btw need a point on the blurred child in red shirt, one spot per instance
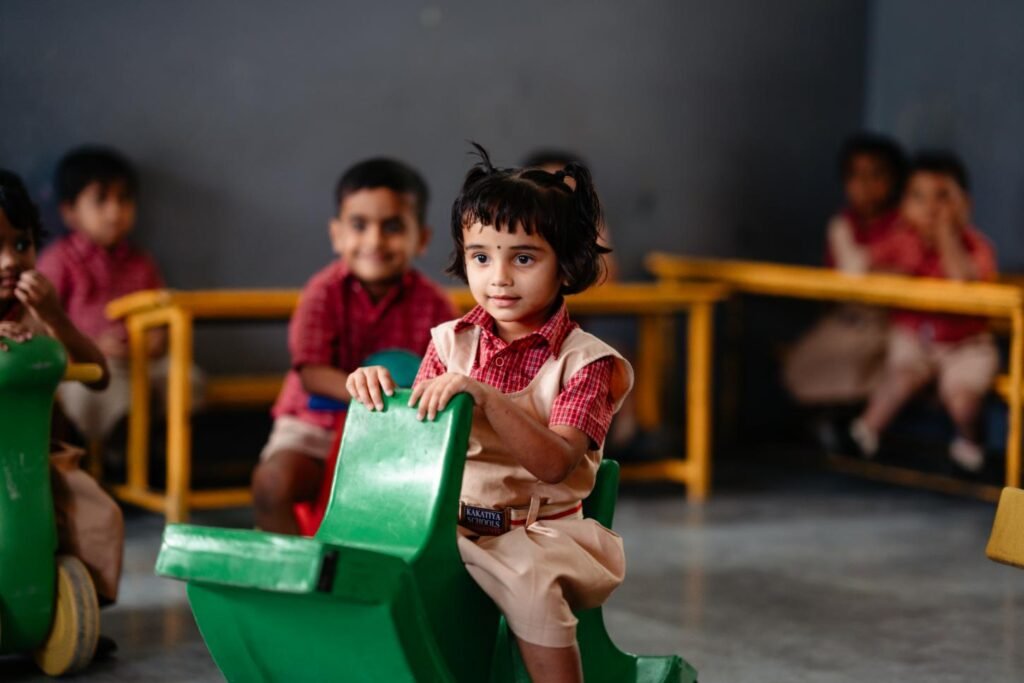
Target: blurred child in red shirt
(935, 238)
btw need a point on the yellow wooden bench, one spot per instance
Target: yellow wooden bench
(1003, 301)
(1006, 543)
(653, 304)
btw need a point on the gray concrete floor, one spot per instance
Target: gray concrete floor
(804, 577)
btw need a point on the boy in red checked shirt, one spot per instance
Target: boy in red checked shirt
(935, 239)
(93, 265)
(370, 299)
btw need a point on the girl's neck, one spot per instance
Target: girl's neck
(510, 330)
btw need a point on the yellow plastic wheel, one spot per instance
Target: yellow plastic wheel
(76, 621)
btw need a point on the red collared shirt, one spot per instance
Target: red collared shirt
(585, 401)
(337, 323)
(905, 251)
(87, 277)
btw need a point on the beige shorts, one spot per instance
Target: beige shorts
(96, 413)
(292, 434)
(539, 574)
(840, 360)
(969, 365)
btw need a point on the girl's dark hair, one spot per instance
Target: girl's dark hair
(17, 206)
(538, 202)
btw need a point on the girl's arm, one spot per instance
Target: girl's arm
(40, 297)
(849, 256)
(548, 453)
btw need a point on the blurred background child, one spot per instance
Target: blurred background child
(370, 299)
(935, 239)
(839, 361)
(97, 188)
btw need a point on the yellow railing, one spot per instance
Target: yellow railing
(1002, 302)
(653, 305)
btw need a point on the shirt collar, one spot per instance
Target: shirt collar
(351, 282)
(553, 332)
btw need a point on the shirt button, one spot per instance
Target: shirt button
(499, 361)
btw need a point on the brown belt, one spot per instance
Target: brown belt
(496, 521)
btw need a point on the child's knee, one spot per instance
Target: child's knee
(270, 485)
(285, 478)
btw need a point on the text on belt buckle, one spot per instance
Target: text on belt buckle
(484, 521)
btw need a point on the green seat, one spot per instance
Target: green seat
(29, 374)
(380, 593)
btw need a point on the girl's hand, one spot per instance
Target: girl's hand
(16, 332)
(434, 394)
(365, 385)
(39, 295)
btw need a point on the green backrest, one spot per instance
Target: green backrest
(403, 365)
(600, 504)
(29, 374)
(397, 482)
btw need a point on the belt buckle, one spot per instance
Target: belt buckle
(484, 521)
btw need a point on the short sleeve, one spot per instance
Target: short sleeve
(54, 269)
(586, 401)
(313, 331)
(431, 366)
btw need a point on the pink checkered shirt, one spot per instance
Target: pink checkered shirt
(337, 324)
(87, 277)
(585, 402)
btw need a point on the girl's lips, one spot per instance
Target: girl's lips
(504, 301)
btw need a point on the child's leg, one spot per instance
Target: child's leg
(281, 481)
(552, 664)
(967, 371)
(907, 369)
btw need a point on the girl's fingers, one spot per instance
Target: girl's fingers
(385, 381)
(425, 400)
(373, 384)
(417, 391)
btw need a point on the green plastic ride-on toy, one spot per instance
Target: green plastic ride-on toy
(380, 593)
(48, 604)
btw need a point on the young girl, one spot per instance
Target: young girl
(89, 523)
(545, 392)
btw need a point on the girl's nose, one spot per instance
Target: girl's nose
(501, 275)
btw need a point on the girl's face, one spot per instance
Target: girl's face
(513, 276)
(868, 185)
(17, 254)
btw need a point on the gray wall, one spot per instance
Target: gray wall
(951, 74)
(711, 127)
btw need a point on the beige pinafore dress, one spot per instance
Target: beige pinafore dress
(542, 570)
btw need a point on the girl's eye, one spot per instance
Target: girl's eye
(394, 227)
(479, 258)
(523, 259)
(21, 246)
(358, 225)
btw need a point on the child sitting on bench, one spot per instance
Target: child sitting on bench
(935, 238)
(545, 394)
